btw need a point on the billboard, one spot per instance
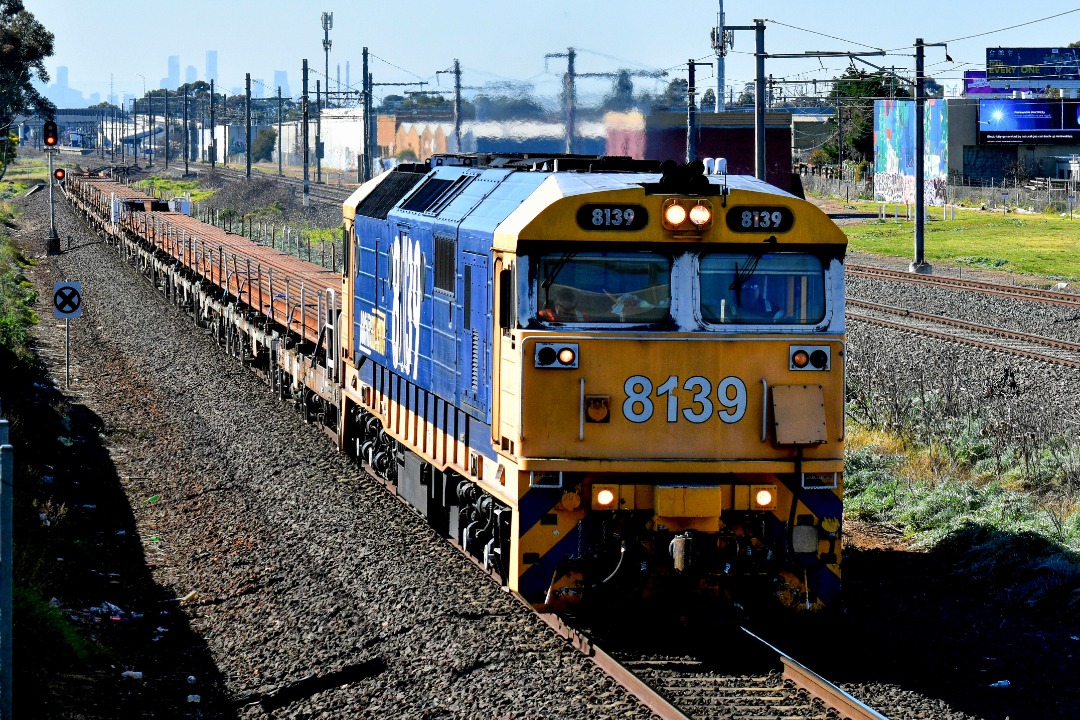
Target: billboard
(976, 83)
(1036, 65)
(1029, 122)
(894, 151)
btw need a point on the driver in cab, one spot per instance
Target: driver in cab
(563, 307)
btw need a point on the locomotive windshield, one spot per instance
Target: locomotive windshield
(604, 287)
(770, 289)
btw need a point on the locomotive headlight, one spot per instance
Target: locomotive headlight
(701, 214)
(604, 497)
(567, 355)
(674, 214)
(763, 497)
(800, 358)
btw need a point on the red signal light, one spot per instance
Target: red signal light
(59, 173)
(50, 133)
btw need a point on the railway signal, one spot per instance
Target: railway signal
(51, 136)
(50, 133)
(59, 174)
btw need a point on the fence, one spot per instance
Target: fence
(1039, 195)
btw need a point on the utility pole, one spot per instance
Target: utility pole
(456, 72)
(759, 102)
(691, 111)
(187, 133)
(840, 134)
(569, 87)
(327, 23)
(722, 41)
(213, 130)
(279, 130)
(568, 93)
(919, 265)
(150, 125)
(166, 128)
(304, 108)
(247, 121)
(366, 125)
(318, 133)
(225, 125)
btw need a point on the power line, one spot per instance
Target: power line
(1013, 27)
(815, 32)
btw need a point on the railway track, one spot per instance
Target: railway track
(1014, 292)
(740, 677)
(333, 194)
(988, 337)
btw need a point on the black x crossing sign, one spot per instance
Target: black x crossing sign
(67, 300)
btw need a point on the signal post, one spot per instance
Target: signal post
(52, 138)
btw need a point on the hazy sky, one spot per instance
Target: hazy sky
(506, 40)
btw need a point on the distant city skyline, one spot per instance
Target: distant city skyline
(63, 95)
(521, 48)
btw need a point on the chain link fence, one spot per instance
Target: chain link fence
(1037, 195)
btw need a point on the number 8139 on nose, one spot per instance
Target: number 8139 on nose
(699, 399)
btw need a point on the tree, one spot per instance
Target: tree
(708, 100)
(853, 94)
(746, 97)
(262, 147)
(675, 94)
(1075, 44)
(24, 45)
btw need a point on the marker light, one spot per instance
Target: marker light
(674, 214)
(800, 358)
(762, 497)
(605, 497)
(700, 215)
(567, 355)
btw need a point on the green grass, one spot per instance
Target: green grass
(32, 171)
(163, 187)
(1040, 245)
(17, 294)
(928, 498)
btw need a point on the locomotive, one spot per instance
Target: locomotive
(601, 375)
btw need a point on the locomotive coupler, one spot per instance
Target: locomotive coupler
(680, 549)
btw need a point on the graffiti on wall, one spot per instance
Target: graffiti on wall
(894, 151)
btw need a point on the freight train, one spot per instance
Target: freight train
(601, 377)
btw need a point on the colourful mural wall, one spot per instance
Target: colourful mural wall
(894, 151)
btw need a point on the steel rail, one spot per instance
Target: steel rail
(986, 345)
(1010, 291)
(975, 327)
(847, 704)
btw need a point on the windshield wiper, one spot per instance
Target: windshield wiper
(556, 269)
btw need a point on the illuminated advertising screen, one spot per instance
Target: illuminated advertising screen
(1029, 122)
(1033, 64)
